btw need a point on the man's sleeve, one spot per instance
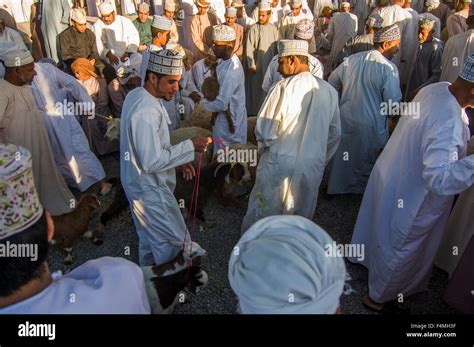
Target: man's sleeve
(151, 155)
(249, 48)
(443, 172)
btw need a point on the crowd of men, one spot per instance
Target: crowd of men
(373, 98)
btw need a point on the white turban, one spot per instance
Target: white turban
(280, 266)
(161, 23)
(106, 8)
(78, 16)
(223, 32)
(5, 46)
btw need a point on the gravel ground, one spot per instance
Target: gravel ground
(336, 215)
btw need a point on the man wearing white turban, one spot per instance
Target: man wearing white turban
(281, 266)
(21, 124)
(294, 145)
(411, 188)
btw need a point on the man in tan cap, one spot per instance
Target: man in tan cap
(143, 25)
(148, 161)
(201, 29)
(21, 123)
(78, 41)
(294, 145)
(169, 11)
(26, 283)
(230, 18)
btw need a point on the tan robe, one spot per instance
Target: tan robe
(96, 128)
(239, 40)
(22, 125)
(201, 33)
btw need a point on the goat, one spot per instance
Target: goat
(69, 227)
(166, 284)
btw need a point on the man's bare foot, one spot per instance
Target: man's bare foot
(105, 187)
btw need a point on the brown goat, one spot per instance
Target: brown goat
(69, 227)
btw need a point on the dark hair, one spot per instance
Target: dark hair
(470, 20)
(15, 272)
(378, 44)
(155, 31)
(158, 75)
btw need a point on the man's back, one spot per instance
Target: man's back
(100, 286)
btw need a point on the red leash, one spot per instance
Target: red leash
(193, 206)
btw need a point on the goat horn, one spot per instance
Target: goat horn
(218, 168)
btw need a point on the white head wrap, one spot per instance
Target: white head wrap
(231, 12)
(170, 6)
(280, 266)
(144, 7)
(161, 22)
(78, 16)
(264, 6)
(292, 47)
(106, 8)
(166, 62)
(222, 32)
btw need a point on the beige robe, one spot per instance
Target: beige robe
(201, 33)
(22, 125)
(239, 40)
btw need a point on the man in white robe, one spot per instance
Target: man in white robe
(281, 256)
(287, 24)
(298, 130)
(456, 51)
(148, 161)
(54, 20)
(55, 92)
(368, 80)
(116, 36)
(230, 75)
(288, 9)
(304, 31)
(410, 191)
(277, 13)
(107, 285)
